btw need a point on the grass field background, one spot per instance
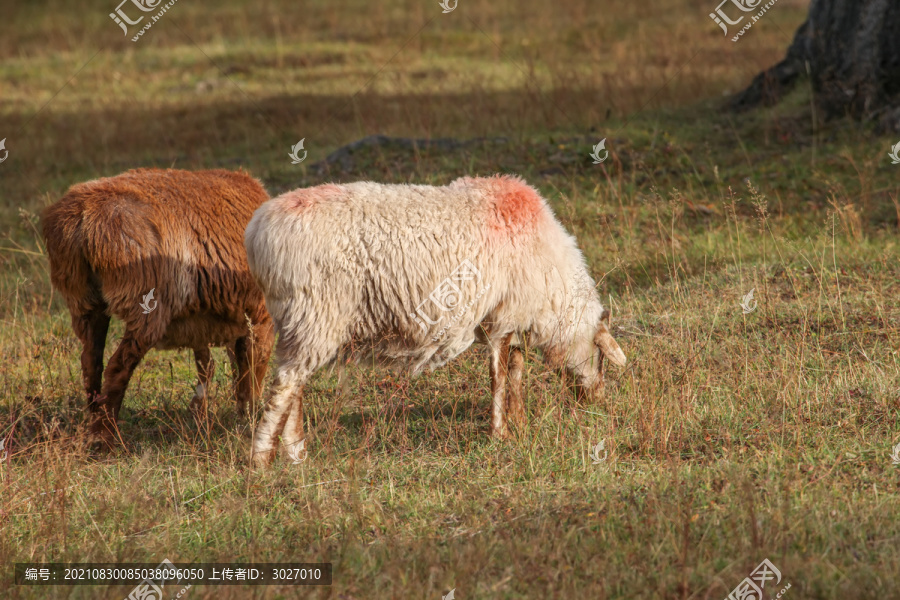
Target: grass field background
(730, 437)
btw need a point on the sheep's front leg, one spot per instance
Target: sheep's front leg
(515, 407)
(205, 369)
(251, 360)
(118, 372)
(499, 370)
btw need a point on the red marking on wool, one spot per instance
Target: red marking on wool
(516, 207)
(304, 198)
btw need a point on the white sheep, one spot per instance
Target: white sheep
(416, 274)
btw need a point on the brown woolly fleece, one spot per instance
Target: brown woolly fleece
(181, 234)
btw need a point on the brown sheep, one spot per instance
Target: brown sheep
(177, 234)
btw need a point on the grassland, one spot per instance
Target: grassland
(731, 437)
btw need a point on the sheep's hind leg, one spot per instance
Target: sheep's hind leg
(293, 437)
(91, 328)
(288, 385)
(499, 369)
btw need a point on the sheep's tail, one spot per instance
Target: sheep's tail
(70, 270)
(269, 236)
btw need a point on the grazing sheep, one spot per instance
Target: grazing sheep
(416, 274)
(163, 251)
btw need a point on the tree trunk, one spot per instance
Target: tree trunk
(852, 49)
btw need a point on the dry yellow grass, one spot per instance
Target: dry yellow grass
(731, 437)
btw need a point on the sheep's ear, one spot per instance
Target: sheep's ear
(608, 346)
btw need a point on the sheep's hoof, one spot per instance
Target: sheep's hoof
(242, 408)
(516, 415)
(101, 441)
(102, 435)
(199, 408)
(262, 459)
